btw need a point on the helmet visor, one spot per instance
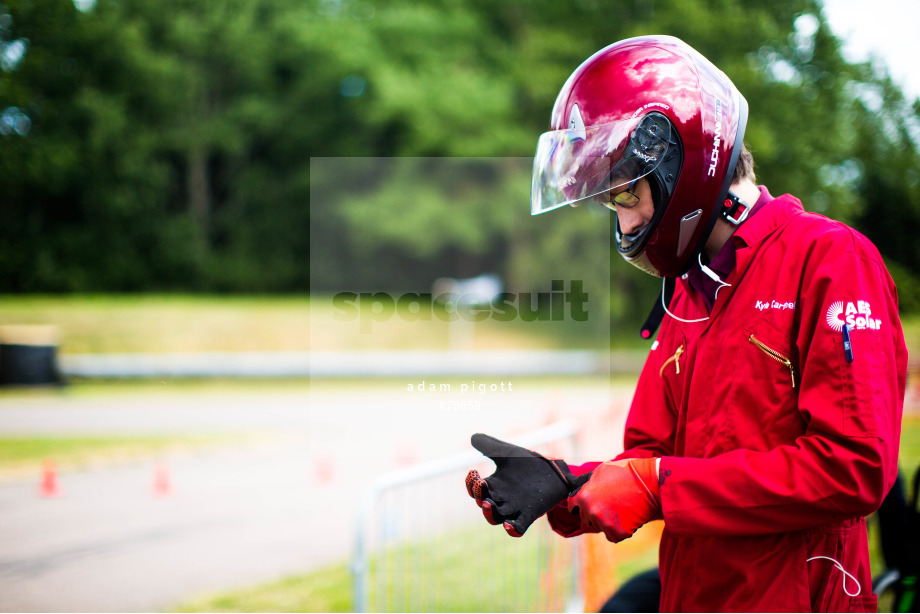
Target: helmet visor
(573, 165)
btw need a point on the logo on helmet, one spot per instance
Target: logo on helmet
(716, 141)
(644, 108)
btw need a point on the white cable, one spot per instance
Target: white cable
(712, 275)
(846, 575)
(671, 314)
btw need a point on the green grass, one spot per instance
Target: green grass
(909, 462)
(25, 455)
(909, 456)
(165, 323)
(911, 326)
(188, 386)
(470, 570)
(132, 323)
(325, 590)
(159, 323)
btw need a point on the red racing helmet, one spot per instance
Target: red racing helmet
(648, 107)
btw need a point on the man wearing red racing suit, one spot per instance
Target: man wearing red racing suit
(773, 443)
(766, 420)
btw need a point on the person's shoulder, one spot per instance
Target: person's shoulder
(821, 235)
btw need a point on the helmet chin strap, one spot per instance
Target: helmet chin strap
(735, 210)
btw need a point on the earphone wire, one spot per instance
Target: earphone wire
(712, 275)
(671, 314)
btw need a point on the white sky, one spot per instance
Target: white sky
(886, 28)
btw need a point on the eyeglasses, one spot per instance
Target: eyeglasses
(625, 199)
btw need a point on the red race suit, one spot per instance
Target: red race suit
(775, 441)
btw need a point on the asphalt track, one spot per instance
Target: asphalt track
(245, 513)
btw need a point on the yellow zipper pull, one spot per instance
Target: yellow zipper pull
(775, 356)
(675, 359)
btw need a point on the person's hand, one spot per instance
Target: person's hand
(563, 521)
(620, 497)
(525, 484)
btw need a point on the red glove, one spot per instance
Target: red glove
(564, 522)
(561, 520)
(620, 497)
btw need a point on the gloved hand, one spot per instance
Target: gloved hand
(562, 521)
(525, 484)
(620, 497)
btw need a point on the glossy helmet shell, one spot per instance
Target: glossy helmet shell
(663, 75)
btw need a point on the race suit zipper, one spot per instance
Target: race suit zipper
(675, 359)
(775, 356)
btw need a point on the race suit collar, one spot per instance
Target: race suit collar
(772, 215)
(724, 261)
(750, 235)
(759, 227)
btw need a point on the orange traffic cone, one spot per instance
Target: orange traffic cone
(48, 489)
(324, 468)
(406, 455)
(162, 486)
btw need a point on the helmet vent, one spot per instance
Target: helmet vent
(688, 225)
(577, 125)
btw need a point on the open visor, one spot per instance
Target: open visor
(573, 165)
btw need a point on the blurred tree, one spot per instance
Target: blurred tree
(61, 223)
(885, 170)
(166, 145)
(151, 159)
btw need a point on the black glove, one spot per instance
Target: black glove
(525, 484)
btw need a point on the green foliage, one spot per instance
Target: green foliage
(169, 143)
(144, 168)
(888, 182)
(432, 574)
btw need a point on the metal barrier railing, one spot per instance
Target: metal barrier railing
(422, 545)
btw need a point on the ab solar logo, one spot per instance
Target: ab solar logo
(856, 315)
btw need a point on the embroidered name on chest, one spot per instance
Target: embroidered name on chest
(774, 304)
